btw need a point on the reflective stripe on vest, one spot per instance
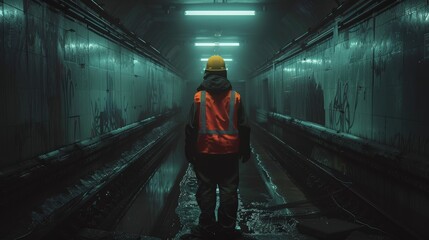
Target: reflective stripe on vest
(203, 120)
(218, 133)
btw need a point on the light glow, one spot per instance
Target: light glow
(220, 13)
(225, 59)
(313, 61)
(93, 46)
(8, 13)
(217, 44)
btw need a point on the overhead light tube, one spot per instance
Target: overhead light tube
(217, 44)
(220, 13)
(225, 59)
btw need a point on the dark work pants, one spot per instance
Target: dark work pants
(212, 171)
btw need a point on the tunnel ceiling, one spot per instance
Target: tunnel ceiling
(164, 25)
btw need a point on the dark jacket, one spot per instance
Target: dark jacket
(216, 83)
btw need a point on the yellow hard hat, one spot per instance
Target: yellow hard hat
(215, 64)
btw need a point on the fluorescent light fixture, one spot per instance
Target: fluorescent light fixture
(205, 69)
(220, 13)
(225, 59)
(217, 44)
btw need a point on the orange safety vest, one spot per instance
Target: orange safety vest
(217, 128)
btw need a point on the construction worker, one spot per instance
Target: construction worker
(217, 137)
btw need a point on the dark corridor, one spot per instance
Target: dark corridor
(94, 97)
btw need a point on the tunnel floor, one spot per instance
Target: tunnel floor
(166, 208)
(262, 183)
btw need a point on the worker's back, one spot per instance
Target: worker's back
(217, 136)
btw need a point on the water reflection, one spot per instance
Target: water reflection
(252, 218)
(148, 205)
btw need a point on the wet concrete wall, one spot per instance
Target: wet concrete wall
(369, 80)
(61, 82)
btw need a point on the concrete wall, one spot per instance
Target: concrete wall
(61, 83)
(370, 80)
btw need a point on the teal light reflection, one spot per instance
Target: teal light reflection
(220, 13)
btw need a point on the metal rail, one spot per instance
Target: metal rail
(103, 209)
(393, 162)
(316, 180)
(22, 180)
(44, 194)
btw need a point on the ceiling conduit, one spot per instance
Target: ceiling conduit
(351, 12)
(97, 20)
